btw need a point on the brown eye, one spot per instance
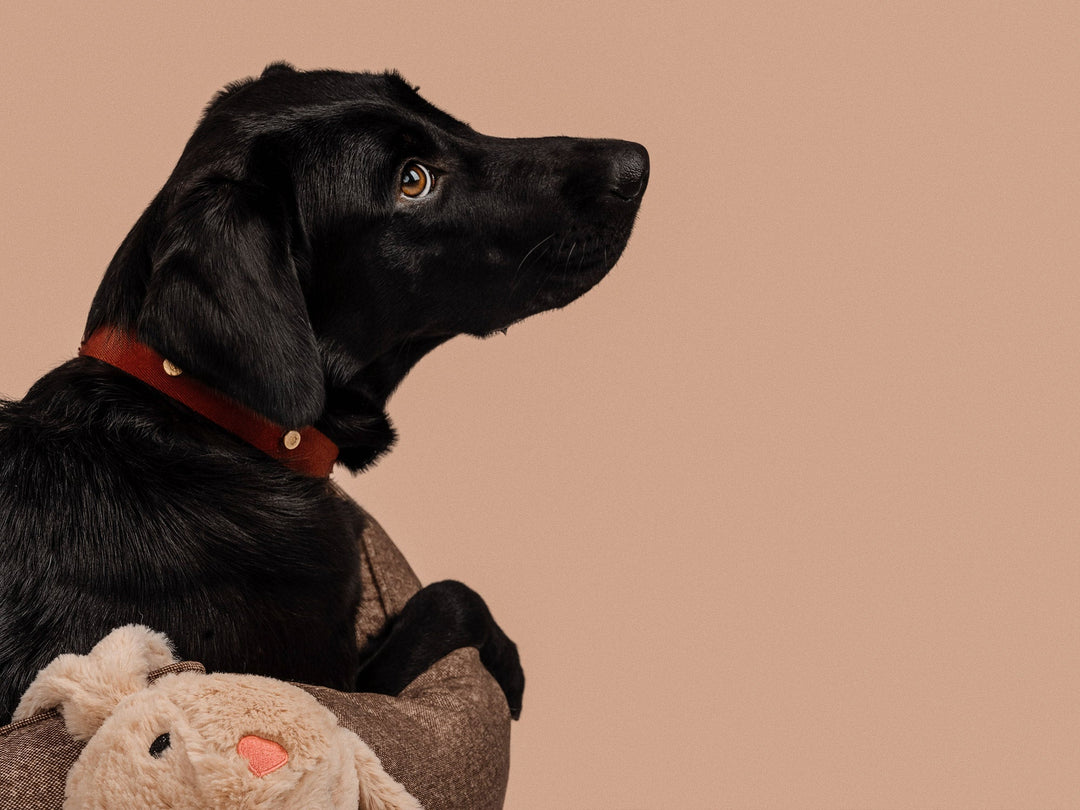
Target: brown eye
(416, 180)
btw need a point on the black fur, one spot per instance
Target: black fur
(281, 264)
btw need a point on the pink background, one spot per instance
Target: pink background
(785, 513)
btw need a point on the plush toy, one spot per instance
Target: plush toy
(192, 740)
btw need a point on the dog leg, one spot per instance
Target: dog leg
(437, 620)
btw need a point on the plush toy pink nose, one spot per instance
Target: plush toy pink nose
(263, 756)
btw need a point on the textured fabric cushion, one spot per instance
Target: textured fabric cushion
(446, 738)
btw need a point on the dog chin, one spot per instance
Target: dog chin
(565, 289)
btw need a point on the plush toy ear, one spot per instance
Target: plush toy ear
(86, 688)
(378, 790)
(224, 301)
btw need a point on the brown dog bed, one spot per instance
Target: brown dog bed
(446, 738)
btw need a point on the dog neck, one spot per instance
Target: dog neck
(356, 397)
(305, 449)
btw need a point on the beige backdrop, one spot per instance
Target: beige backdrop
(785, 513)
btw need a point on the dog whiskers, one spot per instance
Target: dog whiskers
(521, 264)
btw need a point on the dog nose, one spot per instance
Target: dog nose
(629, 171)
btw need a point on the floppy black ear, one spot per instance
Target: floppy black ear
(224, 302)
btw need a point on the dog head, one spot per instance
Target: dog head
(323, 230)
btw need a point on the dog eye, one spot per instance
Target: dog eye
(159, 745)
(416, 180)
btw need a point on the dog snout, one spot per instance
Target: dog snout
(629, 170)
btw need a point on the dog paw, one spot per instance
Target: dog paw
(505, 667)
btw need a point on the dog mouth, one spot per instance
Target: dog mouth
(589, 206)
(563, 266)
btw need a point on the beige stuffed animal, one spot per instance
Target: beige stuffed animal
(191, 740)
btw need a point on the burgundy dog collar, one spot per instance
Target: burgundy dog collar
(306, 450)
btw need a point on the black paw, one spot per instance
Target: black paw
(507, 671)
(476, 627)
(437, 620)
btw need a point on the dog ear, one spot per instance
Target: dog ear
(281, 66)
(224, 301)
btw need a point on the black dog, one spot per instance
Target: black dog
(321, 232)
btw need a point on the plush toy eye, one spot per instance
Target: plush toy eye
(416, 180)
(159, 745)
